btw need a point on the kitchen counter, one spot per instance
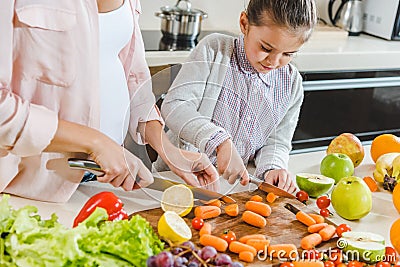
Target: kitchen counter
(322, 53)
(377, 221)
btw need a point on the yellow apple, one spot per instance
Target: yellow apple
(349, 144)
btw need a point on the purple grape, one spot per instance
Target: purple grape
(235, 264)
(207, 252)
(223, 259)
(165, 259)
(193, 264)
(176, 251)
(151, 261)
(180, 261)
(189, 244)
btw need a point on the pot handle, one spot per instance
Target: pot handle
(162, 15)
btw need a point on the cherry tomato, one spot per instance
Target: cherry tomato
(336, 256)
(355, 264)
(329, 264)
(383, 264)
(302, 196)
(197, 223)
(228, 236)
(312, 254)
(323, 202)
(342, 228)
(286, 264)
(324, 212)
(391, 255)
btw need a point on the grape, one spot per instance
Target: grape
(176, 250)
(223, 259)
(235, 264)
(193, 264)
(189, 244)
(165, 259)
(207, 252)
(180, 261)
(151, 261)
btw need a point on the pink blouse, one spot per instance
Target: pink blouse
(49, 71)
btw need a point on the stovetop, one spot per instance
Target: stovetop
(155, 41)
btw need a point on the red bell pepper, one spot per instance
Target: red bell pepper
(107, 200)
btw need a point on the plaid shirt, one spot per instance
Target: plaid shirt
(249, 107)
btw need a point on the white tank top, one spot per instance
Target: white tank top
(115, 31)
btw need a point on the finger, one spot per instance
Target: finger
(245, 178)
(292, 188)
(128, 184)
(146, 178)
(202, 181)
(232, 178)
(211, 173)
(191, 179)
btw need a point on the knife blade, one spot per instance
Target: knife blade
(159, 184)
(269, 188)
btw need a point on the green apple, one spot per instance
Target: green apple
(362, 246)
(351, 198)
(336, 166)
(314, 184)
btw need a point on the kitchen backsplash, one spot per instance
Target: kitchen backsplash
(222, 14)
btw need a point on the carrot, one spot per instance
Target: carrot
(232, 210)
(256, 198)
(205, 229)
(371, 183)
(271, 197)
(258, 244)
(304, 218)
(315, 228)
(328, 232)
(282, 251)
(237, 247)
(214, 202)
(318, 218)
(308, 263)
(207, 212)
(254, 219)
(246, 256)
(258, 207)
(310, 241)
(245, 238)
(211, 240)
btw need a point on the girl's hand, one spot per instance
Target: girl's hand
(230, 164)
(282, 179)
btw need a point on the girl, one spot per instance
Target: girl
(238, 99)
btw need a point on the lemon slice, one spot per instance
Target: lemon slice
(173, 227)
(177, 198)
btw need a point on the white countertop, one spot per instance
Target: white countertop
(378, 220)
(323, 53)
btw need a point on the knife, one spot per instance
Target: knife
(159, 184)
(269, 188)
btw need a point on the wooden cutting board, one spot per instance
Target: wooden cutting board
(282, 226)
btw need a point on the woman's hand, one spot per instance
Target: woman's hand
(230, 164)
(282, 179)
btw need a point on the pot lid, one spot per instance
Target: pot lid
(182, 9)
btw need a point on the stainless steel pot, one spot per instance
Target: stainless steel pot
(181, 22)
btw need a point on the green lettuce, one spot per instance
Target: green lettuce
(27, 240)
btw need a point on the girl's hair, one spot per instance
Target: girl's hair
(299, 16)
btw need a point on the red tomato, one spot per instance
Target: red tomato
(286, 264)
(383, 264)
(355, 264)
(302, 196)
(323, 202)
(329, 264)
(228, 236)
(197, 223)
(342, 228)
(336, 256)
(324, 212)
(391, 255)
(312, 254)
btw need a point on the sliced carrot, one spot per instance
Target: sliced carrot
(237, 247)
(214, 202)
(304, 218)
(318, 218)
(328, 232)
(271, 197)
(245, 238)
(258, 207)
(207, 212)
(211, 240)
(205, 229)
(308, 263)
(315, 228)
(256, 198)
(310, 241)
(246, 256)
(282, 251)
(258, 244)
(254, 219)
(232, 210)
(371, 183)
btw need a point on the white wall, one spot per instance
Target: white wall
(222, 14)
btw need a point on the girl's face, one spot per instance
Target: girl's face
(268, 47)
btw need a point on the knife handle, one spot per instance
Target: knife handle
(87, 165)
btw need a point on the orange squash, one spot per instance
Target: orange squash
(395, 235)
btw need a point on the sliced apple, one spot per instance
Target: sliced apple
(362, 246)
(314, 184)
